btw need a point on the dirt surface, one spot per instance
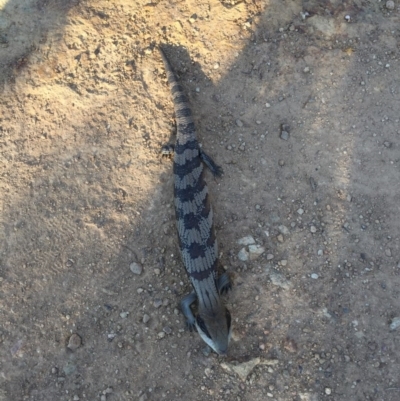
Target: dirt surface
(300, 107)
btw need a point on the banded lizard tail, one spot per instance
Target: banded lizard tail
(194, 217)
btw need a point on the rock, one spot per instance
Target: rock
(314, 276)
(243, 255)
(387, 144)
(285, 135)
(167, 330)
(300, 211)
(313, 229)
(239, 123)
(388, 252)
(280, 238)
(146, 318)
(278, 279)
(124, 315)
(245, 368)
(74, 342)
(328, 391)
(390, 5)
(136, 268)
(308, 397)
(255, 251)
(395, 323)
(320, 252)
(157, 302)
(249, 240)
(284, 230)
(270, 256)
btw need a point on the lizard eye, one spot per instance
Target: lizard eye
(202, 326)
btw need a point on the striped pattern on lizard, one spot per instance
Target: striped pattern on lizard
(194, 217)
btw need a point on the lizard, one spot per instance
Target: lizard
(194, 218)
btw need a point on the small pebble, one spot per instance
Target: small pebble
(270, 256)
(103, 398)
(239, 123)
(387, 144)
(395, 323)
(216, 66)
(281, 162)
(198, 90)
(284, 230)
(124, 315)
(283, 262)
(243, 255)
(285, 135)
(313, 229)
(146, 318)
(267, 105)
(328, 391)
(167, 330)
(280, 238)
(300, 211)
(258, 207)
(314, 276)
(161, 334)
(157, 303)
(388, 252)
(76, 397)
(249, 240)
(320, 252)
(75, 341)
(390, 5)
(306, 69)
(255, 251)
(136, 268)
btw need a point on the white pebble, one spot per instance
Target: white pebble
(243, 255)
(249, 240)
(124, 315)
(395, 323)
(314, 276)
(284, 230)
(255, 251)
(390, 5)
(267, 105)
(328, 391)
(136, 268)
(300, 211)
(313, 229)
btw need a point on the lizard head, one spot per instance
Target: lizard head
(215, 328)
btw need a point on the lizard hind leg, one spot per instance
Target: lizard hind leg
(186, 302)
(224, 283)
(210, 163)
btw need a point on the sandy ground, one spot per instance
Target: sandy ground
(85, 196)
